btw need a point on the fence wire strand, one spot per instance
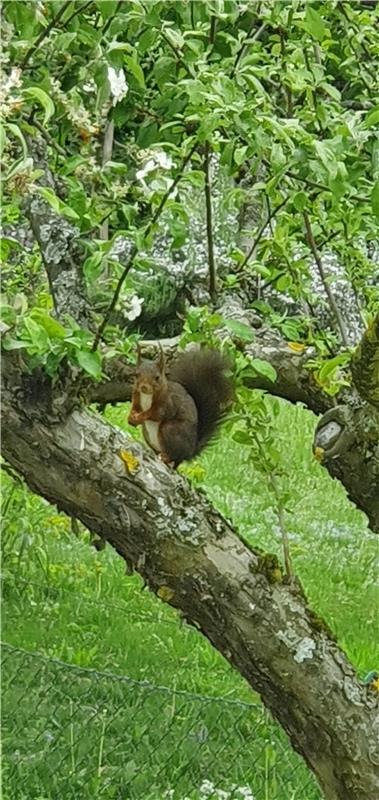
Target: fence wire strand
(72, 732)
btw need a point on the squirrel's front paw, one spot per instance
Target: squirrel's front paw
(133, 419)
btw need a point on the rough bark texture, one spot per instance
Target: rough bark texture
(346, 442)
(192, 559)
(294, 381)
(62, 256)
(346, 438)
(365, 364)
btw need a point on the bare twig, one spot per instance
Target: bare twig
(307, 182)
(107, 155)
(245, 44)
(192, 4)
(261, 231)
(369, 55)
(110, 19)
(333, 305)
(269, 214)
(209, 220)
(313, 93)
(75, 526)
(178, 54)
(78, 11)
(287, 88)
(49, 139)
(134, 251)
(213, 28)
(44, 33)
(282, 527)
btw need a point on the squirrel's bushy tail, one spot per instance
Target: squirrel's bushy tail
(202, 373)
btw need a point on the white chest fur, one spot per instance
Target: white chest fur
(151, 427)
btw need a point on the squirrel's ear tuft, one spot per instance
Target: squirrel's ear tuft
(161, 359)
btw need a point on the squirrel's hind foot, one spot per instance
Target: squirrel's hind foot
(167, 460)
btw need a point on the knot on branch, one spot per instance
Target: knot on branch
(334, 434)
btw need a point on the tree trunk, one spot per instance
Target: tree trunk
(192, 559)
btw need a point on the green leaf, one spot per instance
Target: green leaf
(3, 140)
(56, 204)
(93, 266)
(45, 101)
(136, 70)
(107, 8)
(53, 328)
(372, 118)
(242, 437)
(375, 198)
(19, 135)
(50, 197)
(164, 71)
(375, 156)
(174, 37)
(283, 283)
(6, 245)
(147, 39)
(22, 165)
(90, 362)
(300, 200)
(263, 368)
(72, 163)
(331, 90)
(314, 24)
(239, 329)
(332, 364)
(37, 333)
(195, 177)
(9, 343)
(239, 155)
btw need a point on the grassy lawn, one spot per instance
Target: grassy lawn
(74, 733)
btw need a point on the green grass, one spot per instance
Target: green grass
(68, 602)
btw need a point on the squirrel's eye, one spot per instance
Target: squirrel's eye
(157, 378)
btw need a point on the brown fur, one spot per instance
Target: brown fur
(187, 407)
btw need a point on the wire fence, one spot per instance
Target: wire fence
(73, 732)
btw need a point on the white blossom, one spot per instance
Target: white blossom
(135, 307)
(118, 85)
(8, 82)
(156, 159)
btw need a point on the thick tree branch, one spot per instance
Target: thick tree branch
(346, 438)
(188, 554)
(346, 442)
(294, 381)
(365, 364)
(62, 256)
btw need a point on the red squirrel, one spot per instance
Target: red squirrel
(179, 414)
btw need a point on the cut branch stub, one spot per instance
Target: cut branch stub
(346, 442)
